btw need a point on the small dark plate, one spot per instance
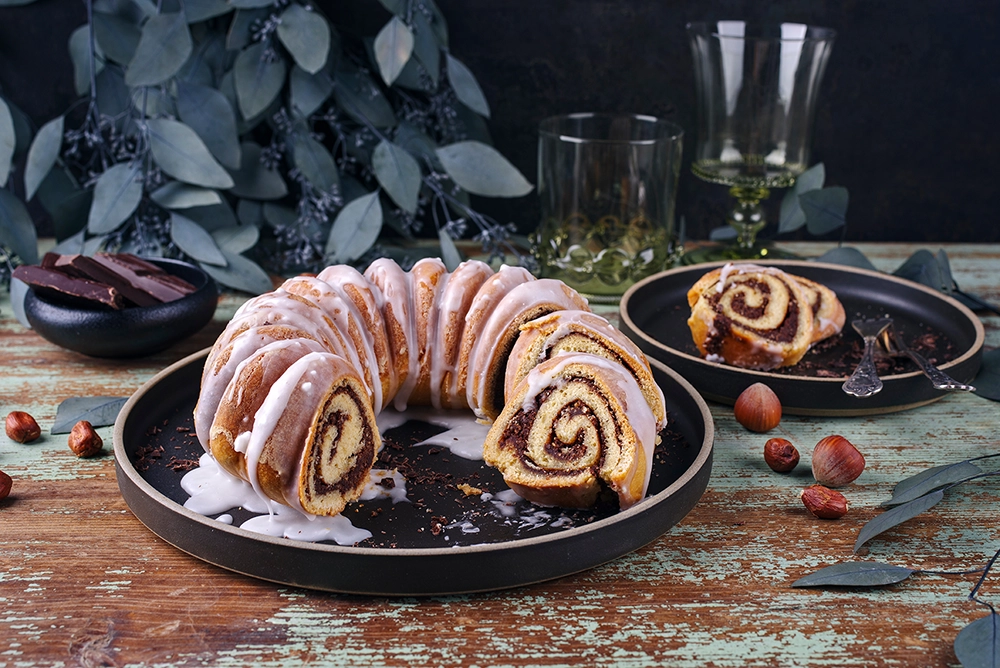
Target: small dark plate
(422, 546)
(654, 314)
(129, 332)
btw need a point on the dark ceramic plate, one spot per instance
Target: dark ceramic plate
(406, 556)
(654, 313)
(129, 332)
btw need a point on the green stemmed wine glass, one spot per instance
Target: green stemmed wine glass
(756, 95)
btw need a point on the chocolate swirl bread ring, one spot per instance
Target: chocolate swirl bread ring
(750, 316)
(577, 424)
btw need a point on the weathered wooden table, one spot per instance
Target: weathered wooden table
(82, 581)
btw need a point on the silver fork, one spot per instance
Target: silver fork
(864, 382)
(892, 342)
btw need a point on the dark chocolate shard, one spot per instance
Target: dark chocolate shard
(141, 283)
(61, 287)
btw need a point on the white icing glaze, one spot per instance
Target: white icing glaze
(543, 291)
(396, 289)
(637, 411)
(492, 292)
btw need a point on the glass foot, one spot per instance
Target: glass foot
(718, 253)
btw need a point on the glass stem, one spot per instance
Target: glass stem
(747, 217)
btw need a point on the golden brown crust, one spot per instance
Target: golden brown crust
(750, 316)
(828, 311)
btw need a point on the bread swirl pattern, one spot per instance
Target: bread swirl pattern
(291, 388)
(750, 316)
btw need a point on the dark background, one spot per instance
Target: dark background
(907, 117)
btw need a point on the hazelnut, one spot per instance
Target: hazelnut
(758, 408)
(780, 455)
(836, 462)
(84, 441)
(823, 502)
(5, 484)
(21, 427)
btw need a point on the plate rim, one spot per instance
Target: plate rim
(755, 373)
(124, 468)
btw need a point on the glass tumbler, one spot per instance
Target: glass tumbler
(608, 189)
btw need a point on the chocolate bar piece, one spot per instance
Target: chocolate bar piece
(141, 283)
(62, 287)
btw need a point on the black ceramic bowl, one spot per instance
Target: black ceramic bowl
(130, 332)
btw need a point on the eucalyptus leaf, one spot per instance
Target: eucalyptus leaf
(117, 194)
(180, 153)
(250, 4)
(482, 170)
(236, 238)
(393, 47)
(98, 411)
(22, 129)
(896, 516)
(207, 111)
(241, 274)
(202, 10)
(66, 202)
(258, 79)
(177, 195)
(18, 291)
(930, 480)
(792, 217)
(42, 155)
(914, 266)
(279, 217)
(212, 217)
(117, 36)
(253, 179)
(355, 229)
(315, 162)
(855, 574)
(724, 233)
(249, 213)
(8, 140)
(399, 174)
(306, 35)
(239, 29)
(426, 47)
(192, 238)
(113, 97)
(17, 231)
(164, 46)
(80, 55)
(987, 380)
(978, 644)
(825, 209)
(466, 87)
(847, 256)
(449, 251)
(309, 91)
(361, 99)
(417, 143)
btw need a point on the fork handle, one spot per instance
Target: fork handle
(939, 378)
(864, 382)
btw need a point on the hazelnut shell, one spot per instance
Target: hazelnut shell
(758, 408)
(836, 462)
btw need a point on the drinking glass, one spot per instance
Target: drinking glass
(608, 189)
(756, 99)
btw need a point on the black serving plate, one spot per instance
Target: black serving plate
(128, 332)
(654, 314)
(155, 445)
